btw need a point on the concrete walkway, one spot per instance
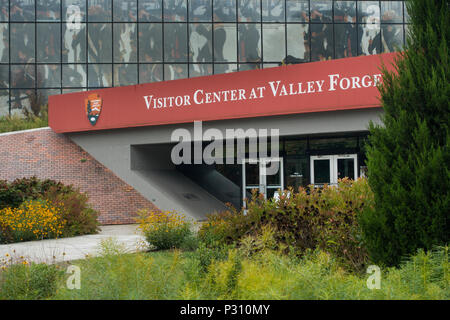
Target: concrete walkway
(68, 249)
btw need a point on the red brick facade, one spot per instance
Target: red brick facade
(45, 154)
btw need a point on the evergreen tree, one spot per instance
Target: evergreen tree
(408, 157)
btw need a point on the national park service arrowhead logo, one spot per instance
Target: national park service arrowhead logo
(93, 105)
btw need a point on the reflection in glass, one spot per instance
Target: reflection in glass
(4, 10)
(150, 42)
(297, 10)
(369, 12)
(74, 75)
(369, 39)
(405, 12)
(175, 71)
(274, 42)
(4, 42)
(345, 11)
(197, 70)
(175, 10)
(48, 10)
(21, 99)
(48, 76)
(273, 10)
(22, 42)
(297, 41)
(74, 44)
(22, 76)
(249, 66)
(225, 68)
(322, 171)
(200, 10)
(22, 10)
(125, 10)
(249, 11)
(44, 94)
(4, 103)
(100, 75)
(125, 42)
(225, 49)
(175, 42)
(346, 169)
(321, 11)
(99, 42)
(392, 37)
(99, 10)
(321, 42)
(296, 172)
(150, 10)
(125, 74)
(345, 40)
(4, 76)
(74, 10)
(391, 11)
(249, 42)
(49, 40)
(225, 11)
(200, 42)
(270, 65)
(150, 73)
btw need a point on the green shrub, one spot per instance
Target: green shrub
(23, 281)
(17, 123)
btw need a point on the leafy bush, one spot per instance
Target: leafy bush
(24, 281)
(33, 220)
(17, 123)
(164, 230)
(312, 218)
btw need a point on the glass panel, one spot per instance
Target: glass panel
(23, 76)
(48, 76)
(74, 44)
(321, 42)
(297, 41)
(49, 40)
(175, 10)
(275, 178)
(4, 103)
(150, 73)
(125, 42)
(150, 10)
(321, 171)
(74, 10)
(4, 42)
(346, 168)
(175, 42)
(200, 10)
(225, 68)
(22, 42)
(249, 11)
(44, 94)
(249, 42)
(296, 147)
(72, 90)
(273, 10)
(405, 12)
(125, 74)
(392, 37)
(150, 42)
(321, 10)
(370, 39)
(48, 10)
(345, 11)
(197, 70)
(225, 49)
(4, 76)
(175, 71)
(333, 143)
(74, 75)
(125, 10)
(345, 37)
(297, 173)
(4, 10)
(391, 11)
(22, 10)
(297, 10)
(21, 99)
(100, 75)
(200, 42)
(270, 65)
(99, 10)
(249, 66)
(369, 12)
(252, 174)
(99, 42)
(225, 10)
(274, 42)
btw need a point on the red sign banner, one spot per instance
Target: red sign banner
(341, 84)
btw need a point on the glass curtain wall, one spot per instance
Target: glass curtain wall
(58, 46)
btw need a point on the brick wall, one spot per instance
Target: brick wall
(45, 154)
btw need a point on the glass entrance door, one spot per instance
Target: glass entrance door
(264, 174)
(329, 168)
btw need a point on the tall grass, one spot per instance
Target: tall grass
(17, 123)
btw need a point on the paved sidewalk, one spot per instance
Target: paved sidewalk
(67, 249)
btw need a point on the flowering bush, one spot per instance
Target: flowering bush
(32, 220)
(164, 230)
